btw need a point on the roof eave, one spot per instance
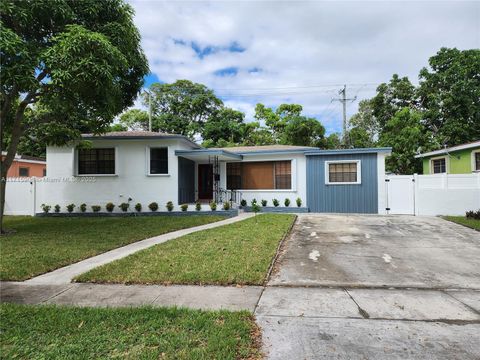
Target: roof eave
(385, 150)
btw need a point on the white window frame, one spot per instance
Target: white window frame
(447, 164)
(115, 149)
(473, 160)
(147, 157)
(359, 172)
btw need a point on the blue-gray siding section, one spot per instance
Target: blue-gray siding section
(186, 180)
(351, 198)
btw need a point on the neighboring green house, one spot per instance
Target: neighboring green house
(460, 159)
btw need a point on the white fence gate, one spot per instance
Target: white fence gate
(440, 194)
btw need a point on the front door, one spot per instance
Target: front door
(205, 182)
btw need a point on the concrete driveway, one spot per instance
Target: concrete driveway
(374, 287)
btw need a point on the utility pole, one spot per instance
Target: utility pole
(344, 100)
(149, 111)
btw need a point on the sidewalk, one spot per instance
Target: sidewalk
(65, 274)
(99, 295)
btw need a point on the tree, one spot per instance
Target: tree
(182, 107)
(390, 98)
(255, 134)
(407, 136)
(358, 137)
(276, 120)
(332, 141)
(78, 63)
(136, 119)
(450, 95)
(303, 131)
(365, 120)
(224, 125)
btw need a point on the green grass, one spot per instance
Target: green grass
(49, 332)
(462, 220)
(41, 244)
(238, 253)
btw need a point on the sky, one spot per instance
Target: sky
(275, 52)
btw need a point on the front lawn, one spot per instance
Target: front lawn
(49, 332)
(238, 253)
(462, 220)
(41, 244)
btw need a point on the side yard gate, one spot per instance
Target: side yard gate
(440, 194)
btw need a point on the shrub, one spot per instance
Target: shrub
(256, 208)
(45, 208)
(243, 202)
(124, 206)
(254, 201)
(70, 207)
(96, 208)
(57, 208)
(184, 207)
(138, 207)
(226, 205)
(169, 206)
(153, 206)
(213, 206)
(83, 207)
(198, 206)
(275, 202)
(299, 202)
(473, 214)
(264, 203)
(110, 206)
(287, 202)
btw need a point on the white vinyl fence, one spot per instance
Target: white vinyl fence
(440, 194)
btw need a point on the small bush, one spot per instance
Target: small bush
(138, 207)
(169, 206)
(256, 208)
(243, 202)
(45, 208)
(153, 206)
(264, 203)
(57, 208)
(70, 207)
(299, 202)
(473, 214)
(275, 202)
(83, 207)
(254, 201)
(226, 205)
(184, 207)
(213, 206)
(96, 208)
(110, 206)
(124, 206)
(198, 206)
(287, 202)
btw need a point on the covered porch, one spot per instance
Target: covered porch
(202, 176)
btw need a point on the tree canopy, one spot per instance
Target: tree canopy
(77, 64)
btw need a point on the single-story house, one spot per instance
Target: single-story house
(26, 166)
(143, 167)
(460, 159)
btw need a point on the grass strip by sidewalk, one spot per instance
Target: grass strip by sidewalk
(50, 332)
(238, 253)
(462, 220)
(40, 245)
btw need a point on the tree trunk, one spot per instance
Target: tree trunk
(12, 149)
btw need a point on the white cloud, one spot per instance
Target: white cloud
(299, 44)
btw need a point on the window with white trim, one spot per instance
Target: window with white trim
(476, 161)
(343, 172)
(159, 161)
(439, 166)
(24, 172)
(98, 161)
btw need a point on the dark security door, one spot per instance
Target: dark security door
(205, 182)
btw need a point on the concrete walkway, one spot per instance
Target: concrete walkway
(65, 274)
(99, 295)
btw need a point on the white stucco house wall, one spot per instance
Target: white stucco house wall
(144, 167)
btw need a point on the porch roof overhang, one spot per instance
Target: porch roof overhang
(206, 154)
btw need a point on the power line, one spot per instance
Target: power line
(344, 100)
